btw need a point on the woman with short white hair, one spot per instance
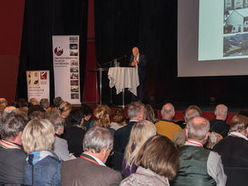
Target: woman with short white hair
(42, 166)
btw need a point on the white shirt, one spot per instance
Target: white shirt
(238, 135)
(97, 160)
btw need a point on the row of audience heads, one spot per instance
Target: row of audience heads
(38, 134)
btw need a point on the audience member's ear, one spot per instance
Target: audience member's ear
(206, 137)
(246, 131)
(187, 133)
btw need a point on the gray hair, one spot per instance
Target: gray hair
(96, 139)
(11, 125)
(221, 110)
(198, 127)
(189, 115)
(168, 109)
(134, 109)
(57, 121)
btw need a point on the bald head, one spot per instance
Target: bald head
(135, 51)
(221, 112)
(198, 128)
(168, 111)
(191, 113)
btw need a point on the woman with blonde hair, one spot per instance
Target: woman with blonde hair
(150, 114)
(65, 109)
(42, 165)
(140, 133)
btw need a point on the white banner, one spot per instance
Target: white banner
(66, 68)
(38, 84)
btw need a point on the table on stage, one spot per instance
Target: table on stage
(124, 77)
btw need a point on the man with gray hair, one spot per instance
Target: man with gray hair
(90, 168)
(136, 112)
(166, 127)
(219, 124)
(199, 166)
(12, 156)
(191, 112)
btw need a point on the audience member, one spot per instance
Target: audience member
(140, 132)
(33, 101)
(44, 103)
(87, 113)
(50, 111)
(12, 157)
(42, 166)
(102, 114)
(2, 107)
(90, 169)
(65, 109)
(219, 124)
(166, 127)
(157, 163)
(75, 132)
(21, 102)
(23, 111)
(199, 166)
(57, 101)
(213, 139)
(118, 119)
(3, 102)
(233, 150)
(136, 112)
(190, 112)
(60, 144)
(150, 114)
(36, 112)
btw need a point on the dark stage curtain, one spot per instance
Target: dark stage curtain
(152, 26)
(45, 18)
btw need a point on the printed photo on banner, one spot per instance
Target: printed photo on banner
(74, 96)
(74, 82)
(74, 89)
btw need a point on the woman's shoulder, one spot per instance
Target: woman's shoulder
(145, 177)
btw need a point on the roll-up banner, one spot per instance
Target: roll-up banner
(66, 68)
(38, 84)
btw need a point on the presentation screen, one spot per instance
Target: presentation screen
(212, 38)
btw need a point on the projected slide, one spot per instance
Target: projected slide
(223, 29)
(212, 38)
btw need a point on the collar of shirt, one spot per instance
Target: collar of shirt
(97, 160)
(237, 134)
(193, 143)
(166, 120)
(133, 120)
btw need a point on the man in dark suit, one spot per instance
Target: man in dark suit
(138, 60)
(89, 168)
(219, 124)
(136, 112)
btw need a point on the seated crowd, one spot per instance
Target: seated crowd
(43, 144)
